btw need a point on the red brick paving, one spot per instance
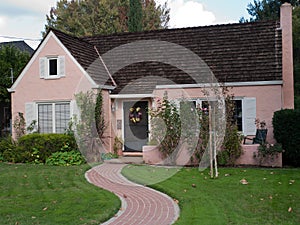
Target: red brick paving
(140, 204)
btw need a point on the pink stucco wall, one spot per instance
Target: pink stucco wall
(31, 88)
(152, 155)
(268, 100)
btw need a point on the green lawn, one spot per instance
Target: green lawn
(272, 196)
(40, 194)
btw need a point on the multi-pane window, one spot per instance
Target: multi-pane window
(237, 113)
(53, 117)
(62, 117)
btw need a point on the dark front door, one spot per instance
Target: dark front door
(135, 125)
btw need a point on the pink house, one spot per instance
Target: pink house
(254, 59)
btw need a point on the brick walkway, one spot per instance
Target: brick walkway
(140, 204)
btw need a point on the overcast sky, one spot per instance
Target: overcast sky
(25, 19)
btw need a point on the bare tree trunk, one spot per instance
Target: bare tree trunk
(214, 137)
(210, 142)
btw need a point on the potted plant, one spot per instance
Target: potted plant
(118, 146)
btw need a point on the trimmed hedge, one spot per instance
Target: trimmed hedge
(286, 125)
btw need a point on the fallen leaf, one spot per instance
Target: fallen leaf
(292, 181)
(290, 209)
(261, 199)
(193, 185)
(184, 190)
(271, 172)
(270, 197)
(264, 178)
(244, 181)
(279, 182)
(227, 175)
(125, 196)
(176, 201)
(44, 209)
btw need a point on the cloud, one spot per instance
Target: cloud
(2, 22)
(189, 14)
(28, 7)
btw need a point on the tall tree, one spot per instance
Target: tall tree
(12, 60)
(135, 16)
(266, 9)
(92, 17)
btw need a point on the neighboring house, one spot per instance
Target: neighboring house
(5, 108)
(255, 59)
(21, 45)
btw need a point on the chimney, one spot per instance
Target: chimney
(287, 56)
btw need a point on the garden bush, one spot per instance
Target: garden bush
(9, 151)
(65, 158)
(38, 147)
(286, 125)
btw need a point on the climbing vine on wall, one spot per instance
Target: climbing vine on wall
(99, 115)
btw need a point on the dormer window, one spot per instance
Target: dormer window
(52, 67)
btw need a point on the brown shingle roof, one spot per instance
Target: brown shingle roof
(234, 53)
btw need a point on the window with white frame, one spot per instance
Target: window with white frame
(52, 67)
(53, 117)
(244, 113)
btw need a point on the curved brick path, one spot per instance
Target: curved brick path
(140, 204)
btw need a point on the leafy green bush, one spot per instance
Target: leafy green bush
(232, 148)
(65, 158)
(38, 147)
(9, 150)
(286, 125)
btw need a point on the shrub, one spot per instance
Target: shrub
(166, 128)
(38, 147)
(232, 148)
(9, 150)
(65, 158)
(286, 125)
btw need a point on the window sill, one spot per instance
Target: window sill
(53, 77)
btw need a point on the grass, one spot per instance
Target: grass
(40, 194)
(272, 196)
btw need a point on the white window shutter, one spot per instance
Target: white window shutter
(74, 110)
(249, 116)
(43, 67)
(61, 66)
(30, 114)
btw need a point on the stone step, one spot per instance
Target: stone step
(126, 160)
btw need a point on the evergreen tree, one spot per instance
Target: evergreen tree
(135, 16)
(92, 17)
(12, 61)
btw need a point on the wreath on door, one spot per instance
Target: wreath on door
(135, 114)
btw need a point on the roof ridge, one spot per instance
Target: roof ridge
(178, 29)
(69, 35)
